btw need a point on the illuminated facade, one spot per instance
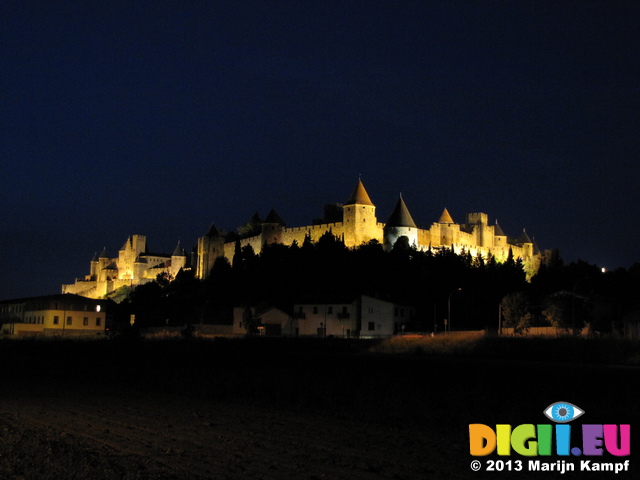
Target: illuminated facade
(54, 315)
(356, 223)
(133, 266)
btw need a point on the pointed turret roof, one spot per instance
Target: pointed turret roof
(179, 251)
(498, 231)
(359, 196)
(104, 253)
(445, 217)
(524, 238)
(273, 217)
(213, 231)
(95, 257)
(400, 217)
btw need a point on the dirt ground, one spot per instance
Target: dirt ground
(274, 415)
(150, 436)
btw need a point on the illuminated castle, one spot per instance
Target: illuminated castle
(354, 223)
(134, 265)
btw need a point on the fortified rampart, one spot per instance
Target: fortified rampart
(135, 265)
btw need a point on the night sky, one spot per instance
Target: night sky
(159, 118)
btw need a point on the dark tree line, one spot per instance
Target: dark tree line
(438, 283)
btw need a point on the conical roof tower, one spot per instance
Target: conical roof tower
(359, 196)
(524, 238)
(273, 217)
(400, 224)
(445, 217)
(179, 251)
(359, 218)
(213, 231)
(400, 217)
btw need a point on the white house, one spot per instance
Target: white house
(363, 317)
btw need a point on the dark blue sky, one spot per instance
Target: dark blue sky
(158, 118)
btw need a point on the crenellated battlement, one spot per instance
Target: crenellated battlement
(359, 225)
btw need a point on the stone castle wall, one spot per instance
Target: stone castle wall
(359, 225)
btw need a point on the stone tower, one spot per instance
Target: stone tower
(400, 224)
(135, 246)
(178, 260)
(210, 247)
(359, 218)
(479, 223)
(447, 229)
(272, 228)
(103, 268)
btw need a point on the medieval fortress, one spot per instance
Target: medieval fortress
(355, 223)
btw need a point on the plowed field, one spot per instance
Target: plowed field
(224, 410)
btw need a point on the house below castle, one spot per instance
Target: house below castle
(355, 223)
(359, 317)
(54, 315)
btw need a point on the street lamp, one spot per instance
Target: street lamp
(449, 307)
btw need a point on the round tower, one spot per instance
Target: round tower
(400, 224)
(272, 228)
(93, 270)
(103, 263)
(448, 229)
(210, 247)
(178, 260)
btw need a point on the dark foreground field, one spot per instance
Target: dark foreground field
(297, 409)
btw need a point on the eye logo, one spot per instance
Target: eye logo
(563, 412)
